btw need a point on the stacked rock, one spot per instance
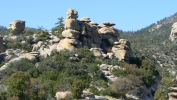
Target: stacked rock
(17, 26)
(86, 31)
(108, 31)
(71, 32)
(96, 40)
(108, 34)
(99, 37)
(122, 50)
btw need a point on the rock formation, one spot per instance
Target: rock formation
(109, 35)
(71, 32)
(17, 26)
(122, 49)
(83, 32)
(173, 35)
(173, 93)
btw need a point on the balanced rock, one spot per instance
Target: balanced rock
(109, 31)
(17, 26)
(173, 35)
(85, 19)
(93, 23)
(72, 14)
(83, 32)
(108, 24)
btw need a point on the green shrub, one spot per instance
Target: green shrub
(77, 88)
(119, 72)
(148, 71)
(94, 90)
(42, 35)
(106, 92)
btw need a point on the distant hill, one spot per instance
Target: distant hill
(153, 42)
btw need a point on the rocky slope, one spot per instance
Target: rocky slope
(109, 47)
(158, 42)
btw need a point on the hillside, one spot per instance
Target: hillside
(153, 42)
(81, 59)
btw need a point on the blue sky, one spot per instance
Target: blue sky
(128, 15)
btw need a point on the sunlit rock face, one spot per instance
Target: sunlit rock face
(99, 37)
(17, 26)
(173, 35)
(122, 49)
(71, 32)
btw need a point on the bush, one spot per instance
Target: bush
(94, 90)
(21, 65)
(149, 72)
(122, 86)
(100, 83)
(162, 90)
(77, 88)
(106, 92)
(42, 35)
(119, 72)
(17, 84)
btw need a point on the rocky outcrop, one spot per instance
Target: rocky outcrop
(62, 95)
(173, 35)
(17, 26)
(107, 70)
(83, 32)
(108, 31)
(173, 93)
(85, 94)
(122, 49)
(71, 32)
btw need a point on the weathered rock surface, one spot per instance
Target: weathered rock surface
(72, 14)
(85, 19)
(109, 31)
(173, 93)
(17, 26)
(122, 49)
(72, 24)
(173, 35)
(30, 57)
(83, 32)
(97, 52)
(65, 44)
(62, 95)
(69, 33)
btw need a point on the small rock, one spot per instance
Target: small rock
(104, 67)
